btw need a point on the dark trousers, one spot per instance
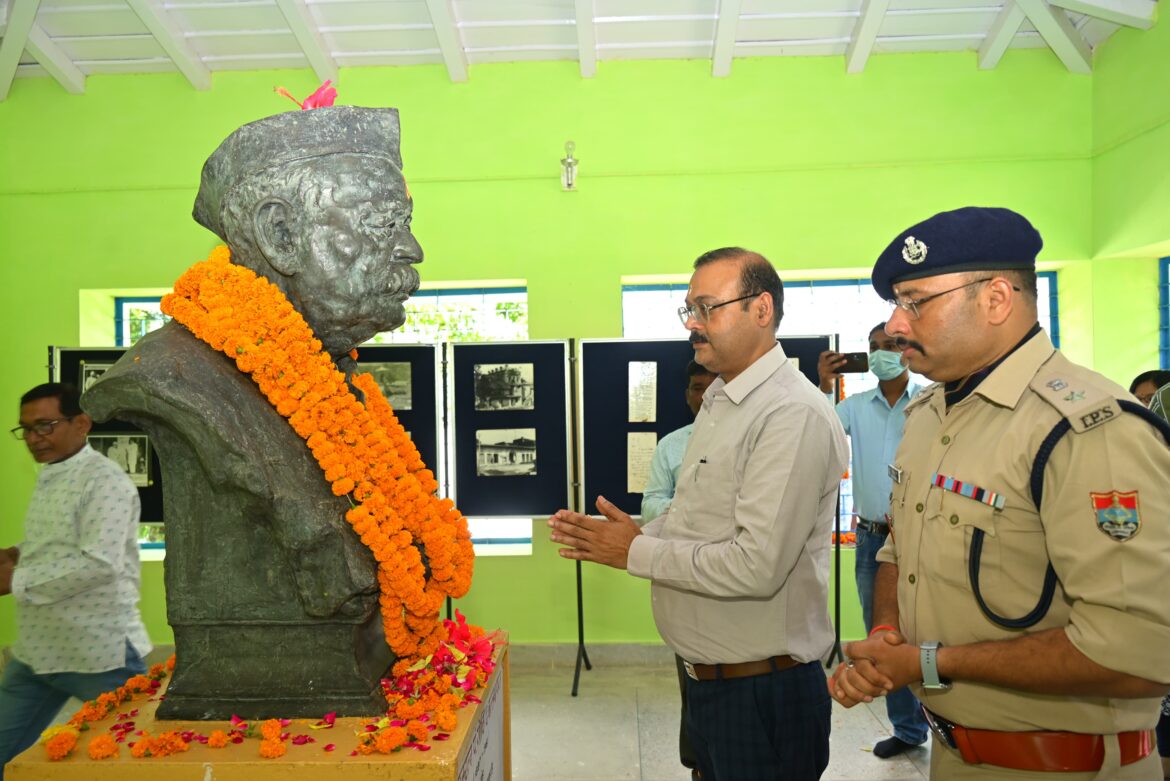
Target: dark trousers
(766, 727)
(686, 754)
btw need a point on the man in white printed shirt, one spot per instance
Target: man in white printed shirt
(74, 579)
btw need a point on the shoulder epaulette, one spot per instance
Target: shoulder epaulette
(1082, 404)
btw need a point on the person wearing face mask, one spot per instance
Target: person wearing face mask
(873, 420)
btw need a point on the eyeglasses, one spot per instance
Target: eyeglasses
(911, 305)
(702, 312)
(42, 428)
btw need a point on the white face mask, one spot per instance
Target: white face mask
(886, 364)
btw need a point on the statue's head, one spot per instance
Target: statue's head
(315, 201)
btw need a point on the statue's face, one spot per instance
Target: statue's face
(356, 251)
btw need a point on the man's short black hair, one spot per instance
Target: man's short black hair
(1156, 376)
(66, 395)
(756, 276)
(879, 327)
(694, 367)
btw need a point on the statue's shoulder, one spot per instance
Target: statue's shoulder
(167, 371)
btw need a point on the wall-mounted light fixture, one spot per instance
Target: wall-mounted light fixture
(569, 168)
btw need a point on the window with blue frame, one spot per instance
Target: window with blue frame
(847, 307)
(432, 316)
(1164, 313)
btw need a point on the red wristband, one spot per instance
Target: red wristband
(881, 627)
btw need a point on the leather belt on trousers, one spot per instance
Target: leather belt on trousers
(873, 527)
(1054, 752)
(715, 672)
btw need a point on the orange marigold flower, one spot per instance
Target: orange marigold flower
(217, 739)
(271, 749)
(417, 729)
(271, 729)
(389, 739)
(103, 747)
(61, 744)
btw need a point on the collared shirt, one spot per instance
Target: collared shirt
(76, 584)
(968, 468)
(668, 456)
(739, 564)
(874, 429)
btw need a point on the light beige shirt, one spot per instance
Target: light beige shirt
(739, 563)
(1111, 595)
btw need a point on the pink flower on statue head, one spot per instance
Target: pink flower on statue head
(323, 97)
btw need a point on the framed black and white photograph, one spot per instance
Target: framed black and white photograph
(504, 386)
(129, 451)
(505, 452)
(393, 379)
(89, 373)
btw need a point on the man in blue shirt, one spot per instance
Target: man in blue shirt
(668, 455)
(873, 420)
(656, 498)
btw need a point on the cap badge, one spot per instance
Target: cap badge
(914, 252)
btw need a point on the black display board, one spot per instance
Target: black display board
(81, 366)
(422, 419)
(493, 437)
(604, 405)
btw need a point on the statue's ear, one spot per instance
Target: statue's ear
(272, 225)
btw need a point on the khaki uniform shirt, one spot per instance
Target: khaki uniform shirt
(739, 563)
(1102, 522)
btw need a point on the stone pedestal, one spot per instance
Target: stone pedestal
(479, 750)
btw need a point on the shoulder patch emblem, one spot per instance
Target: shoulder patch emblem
(1075, 396)
(1057, 384)
(914, 252)
(1117, 514)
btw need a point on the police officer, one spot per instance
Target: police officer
(1022, 585)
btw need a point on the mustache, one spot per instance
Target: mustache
(903, 343)
(697, 338)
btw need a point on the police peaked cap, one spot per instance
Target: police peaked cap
(974, 238)
(277, 141)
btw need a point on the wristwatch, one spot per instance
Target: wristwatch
(928, 656)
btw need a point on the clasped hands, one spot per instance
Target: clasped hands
(592, 539)
(877, 666)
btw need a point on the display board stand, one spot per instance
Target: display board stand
(574, 397)
(837, 655)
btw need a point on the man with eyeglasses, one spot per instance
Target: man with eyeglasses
(1021, 590)
(739, 562)
(74, 579)
(873, 419)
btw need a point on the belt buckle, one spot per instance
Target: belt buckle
(942, 729)
(690, 668)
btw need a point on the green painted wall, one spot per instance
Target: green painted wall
(813, 167)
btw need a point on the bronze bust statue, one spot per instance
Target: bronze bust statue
(272, 597)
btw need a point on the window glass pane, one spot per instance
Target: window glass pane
(138, 317)
(464, 315)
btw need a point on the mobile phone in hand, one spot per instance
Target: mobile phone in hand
(855, 363)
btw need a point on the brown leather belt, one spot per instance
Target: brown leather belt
(1064, 752)
(715, 672)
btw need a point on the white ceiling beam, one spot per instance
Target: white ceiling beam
(726, 26)
(54, 59)
(586, 38)
(1058, 32)
(308, 35)
(443, 20)
(168, 35)
(22, 17)
(865, 34)
(1130, 13)
(999, 37)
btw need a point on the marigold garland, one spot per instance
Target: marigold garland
(362, 449)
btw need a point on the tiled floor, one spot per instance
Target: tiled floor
(623, 725)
